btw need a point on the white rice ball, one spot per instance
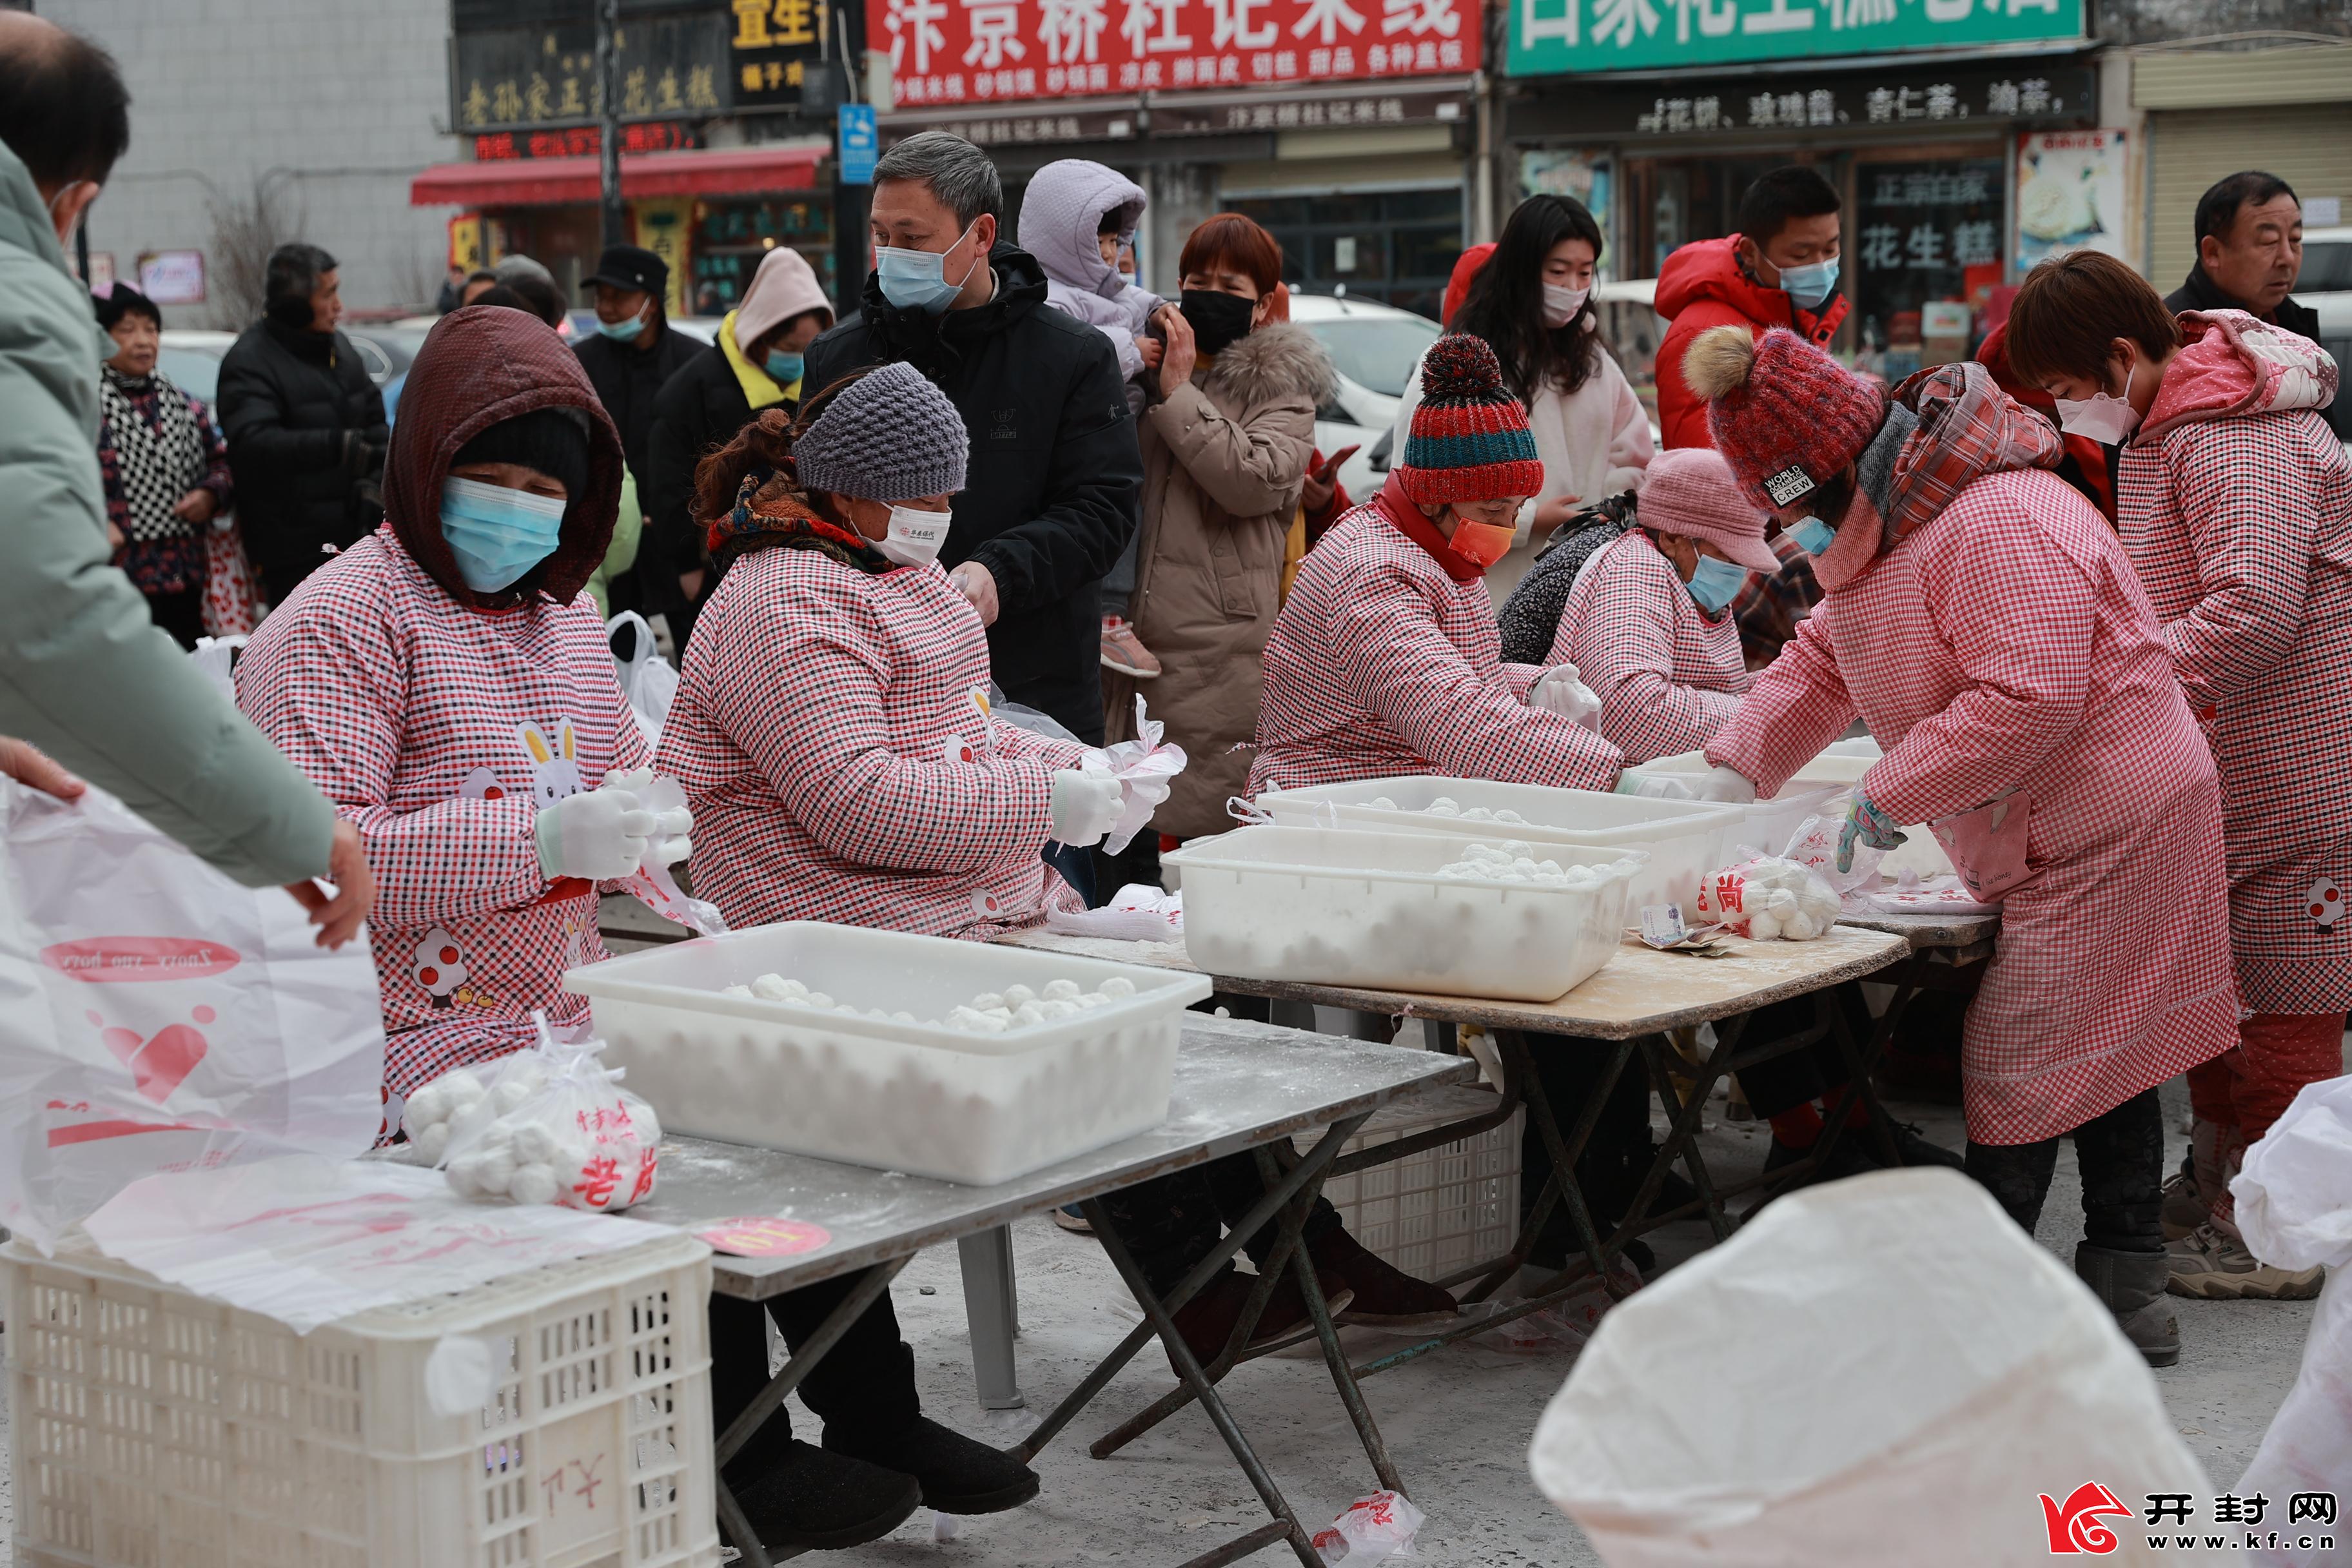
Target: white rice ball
(532, 1185)
(1014, 995)
(819, 999)
(1059, 990)
(1118, 985)
(988, 1001)
(433, 1141)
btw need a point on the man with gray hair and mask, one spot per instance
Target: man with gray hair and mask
(84, 674)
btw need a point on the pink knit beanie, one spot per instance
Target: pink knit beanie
(1690, 490)
(1786, 416)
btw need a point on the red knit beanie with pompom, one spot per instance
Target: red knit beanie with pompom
(1787, 416)
(1469, 437)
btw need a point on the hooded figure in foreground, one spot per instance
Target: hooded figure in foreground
(1980, 616)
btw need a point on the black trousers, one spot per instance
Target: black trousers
(1814, 1073)
(1170, 1223)
(2121, 1155)
(864, 1385)
(181, 614)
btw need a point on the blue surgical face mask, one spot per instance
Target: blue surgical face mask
(496, 533)
(1810, 284)
(1813, 536)
(1715, 583)
(917, 279)
(622, 331)
(785, 368)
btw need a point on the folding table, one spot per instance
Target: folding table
(1239, 1086)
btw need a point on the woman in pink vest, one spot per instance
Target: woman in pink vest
(2235, 503)
(1979, 616)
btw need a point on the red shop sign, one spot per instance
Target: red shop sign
(975, 51)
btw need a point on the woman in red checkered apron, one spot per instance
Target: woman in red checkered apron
(446, 683)
(2235, 505)
(1981, 617)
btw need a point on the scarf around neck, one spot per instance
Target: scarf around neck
(787, 523)
(1403, 515)
(155, 463)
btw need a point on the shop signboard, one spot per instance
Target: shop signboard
(172, 276)
(2070, 193)
(1953, 97)
(855, 143)
(971, 52)
(509, 78)
(582, 140)
(1923, 255)
(772, 47)
(1555, 36)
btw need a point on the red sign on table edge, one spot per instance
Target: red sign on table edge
(765, 1235)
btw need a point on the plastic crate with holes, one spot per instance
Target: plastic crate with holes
(1431, 1213)
(155, 1429)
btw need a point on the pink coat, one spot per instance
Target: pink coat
(407, 711)
(2235, 504)
(1667, 677)
(1380, 663)
(837, 765)
(2004, 651)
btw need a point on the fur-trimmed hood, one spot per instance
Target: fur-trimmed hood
(1279, 360)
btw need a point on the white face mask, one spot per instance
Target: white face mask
(915, 537)
(2104, 419)
(1561, 304)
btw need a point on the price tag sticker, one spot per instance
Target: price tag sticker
(766, 1236)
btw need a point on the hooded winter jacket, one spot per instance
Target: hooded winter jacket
(1061, 226)
(1986, 624)
(2237, 511)
(1055, 476)
(1223, 461)
(440, 720)
(1701, 286)
(84, 672)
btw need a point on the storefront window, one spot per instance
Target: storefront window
(730, 236)
(1395, 246)
(1923, 255)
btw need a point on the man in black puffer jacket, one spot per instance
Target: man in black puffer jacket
(1056, 479)
(305, 425)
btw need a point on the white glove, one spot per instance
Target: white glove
(1559, 691)
(1085, 807)
(665, 798)
(1725, 784)
(1653, 786)
(601, 836)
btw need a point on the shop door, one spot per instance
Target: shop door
(2308, 145)
(1396, 246)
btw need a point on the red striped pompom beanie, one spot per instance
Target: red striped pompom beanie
(1469, 438)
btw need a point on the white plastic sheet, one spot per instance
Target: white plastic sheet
(646, 679)
(1875, 1370)
(2294, 1195)
(307, 1241)
(154, 1015)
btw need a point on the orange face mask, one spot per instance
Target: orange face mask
(1481, 543)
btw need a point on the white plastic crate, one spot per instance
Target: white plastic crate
(919, 1097)
(155, 1429)
(1440, 1210)
(1679, 837)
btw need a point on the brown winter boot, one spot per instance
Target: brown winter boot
(2131, 1286)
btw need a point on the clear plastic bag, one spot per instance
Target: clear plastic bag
(1370, 1529)
(1815, 846)
(1146, 769)
(553, 1126)
(1769, 897)
(646, 679)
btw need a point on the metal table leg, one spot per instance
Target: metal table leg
(990, 1309)
(867, 1291)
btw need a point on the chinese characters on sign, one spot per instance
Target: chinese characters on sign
(1852, 105)
(976, 51)
(580, 141)
(772, 47)
(541, 76)
(1555, 36)
(1924, 253)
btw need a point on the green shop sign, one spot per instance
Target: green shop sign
(1551, 38)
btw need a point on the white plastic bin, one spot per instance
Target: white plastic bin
(1368, 909)
(1771, 823)
(920, 1098)
(1680, 837)
(156, 1428)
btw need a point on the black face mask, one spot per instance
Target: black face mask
(1217, 319)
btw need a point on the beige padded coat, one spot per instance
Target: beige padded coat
(1223, 461)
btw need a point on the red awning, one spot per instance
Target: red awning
(547, 182)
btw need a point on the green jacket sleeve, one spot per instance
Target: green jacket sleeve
(84, 674)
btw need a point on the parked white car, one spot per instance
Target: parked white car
(1374, 347)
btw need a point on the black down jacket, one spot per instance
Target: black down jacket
(1054, 486)
(306, 440)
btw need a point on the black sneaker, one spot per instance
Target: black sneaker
(1915, 1147)
(813, 1501)
(955, 1474)
(1848, 1159)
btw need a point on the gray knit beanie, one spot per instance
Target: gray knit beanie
(889, 435)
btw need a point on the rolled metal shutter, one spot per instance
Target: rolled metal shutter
(2308, 145)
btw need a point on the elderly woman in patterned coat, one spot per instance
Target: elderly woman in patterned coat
(1385, 658)
(1648, 623)
(2235, 504)
(1981, 616)
(444, 683)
